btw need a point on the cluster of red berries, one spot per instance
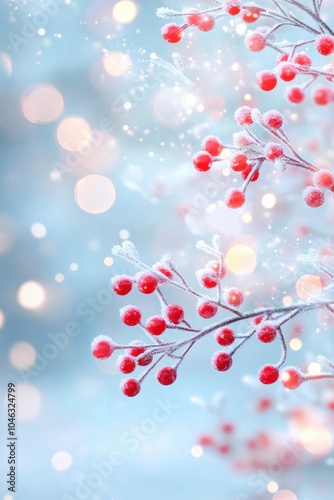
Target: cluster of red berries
(323, 180)
(204, 21)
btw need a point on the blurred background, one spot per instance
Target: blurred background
(98, 125)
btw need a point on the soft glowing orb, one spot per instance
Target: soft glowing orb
(30, 401)
(309, 286)
(62, 460)
(268, 200)
(74, 133)
(272, 487)
(95, 194)
(6, 63)
(117, 63)
(31, 295)
(196, 451)
(38, 230)
(285, 495)
(314, 368)
(42, 104)
(2, 319)
(125, 11)
(108, 261)
(22, 355)
(295, 344)
(241, 260)
(316, 440)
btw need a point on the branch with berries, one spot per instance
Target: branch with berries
(281, 14)
(265, 323)
(249, 153)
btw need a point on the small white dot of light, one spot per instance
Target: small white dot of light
(268, 200)
(295, 344)
(226, 172)
(241, 29)
(2, 319)
(314, 368)
(59, 35)
(189, 111)
(247, 97)
(247, 217)
(124, 234)
(55, 175)
(38, 230)
(151, 154)
(8, 497)
(127, 105)
(61, 460)
(272, 487)
(41, 31)
(294, 117)
(125, 127)
(225, 28)
(247, 293)
(74, 266)
(210, 208)
(287, 300)
(196, 451)
(200, 108)
(59, 277)
(108, 261)
(153, 55)
(235, 66)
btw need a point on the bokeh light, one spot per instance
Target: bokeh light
(124, 11)
(295, 344)
(2, 319)
(240, 260)
(30, 401)
(22, 355)
(95, 194)
(196, 451)
(42, 103)
(285, 495)
(74, 133)
(268, 200)
(31, 295)
(272, 486)
(316, 440)
(309, 286)
(117, 63)
(62, 460)
(38, 230)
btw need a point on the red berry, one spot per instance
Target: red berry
(172, 32)
(255, 41)
(174, 313)
(121, 285)
(282, 58)
(145, 360)
(228, 428)
(264, 404)
(322, 95)
(302, 58)
(155, 325)
(206, 309)
(295, 94)
(238, 162)
(243, 116)
(221, 361)
(268, 374)
(329, 68)
(102, 347)
(323, 179)
(234, 198)
(212, 145)
(166, 375)
(206, 278)
(257, 320)
(266, 80)
(206, 23)
(313, 197)
(273, 119)
(130, 315)
(234, 297)
(245, 173)
(266, 333)
(146, 283)
(273, 151)
(250, 14)
(291, 378)
(137, 349)
(233, 7)
(224, 448)
(130, 387)
(225, 336)
(206, 440)
(194, 18)
(163, 270)
(202, 161)
(126, 364)
(324, 44)
(218, 269)
(286, 72)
